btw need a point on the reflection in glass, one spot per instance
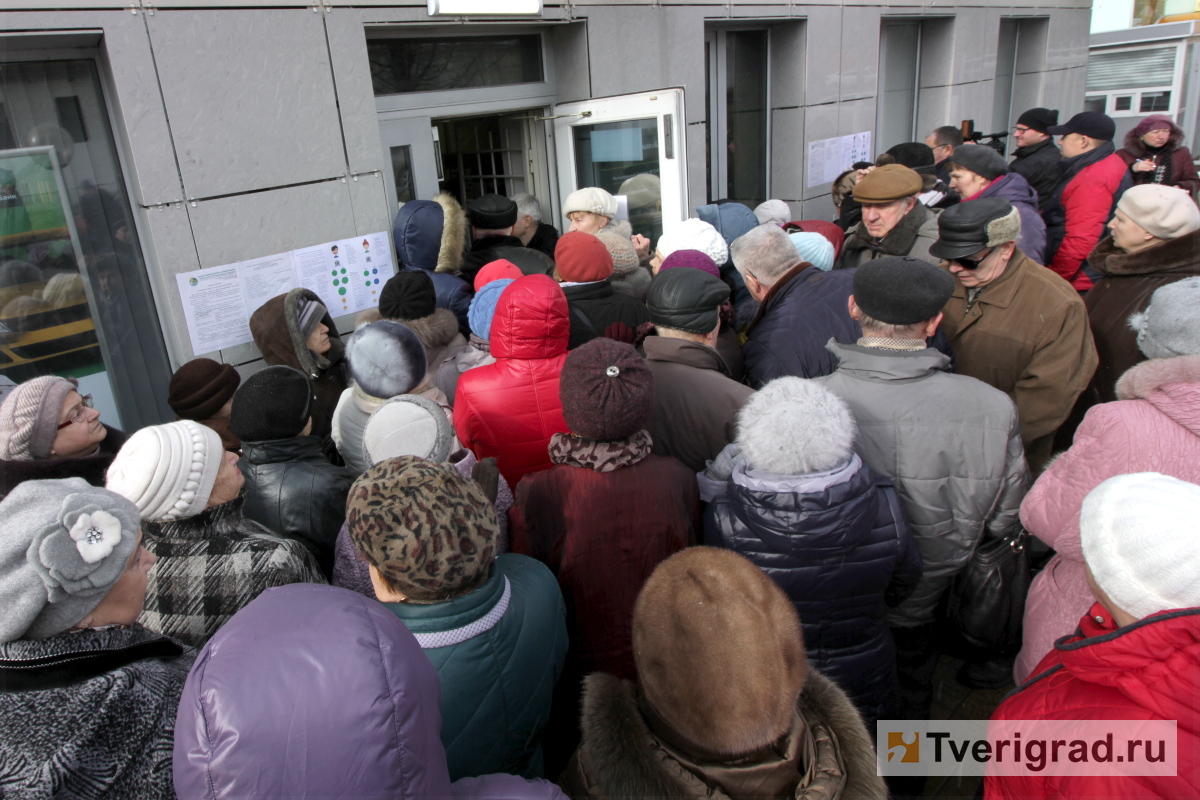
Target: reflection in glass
(622, 158)
(430, 64)
(402, 173)
(746, 115)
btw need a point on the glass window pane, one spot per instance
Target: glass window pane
(1155, 101)
(1095, 104)
(402, 173)
(622, 158)
(746, 116)
(1123, 103)
(898, 83)
(399, 66)
(74, 296)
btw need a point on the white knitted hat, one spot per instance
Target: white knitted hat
(168, 471)
(775, 211)
(1170, 325)
(694, 234)
(1140, 539)
(593, 199)
(407, 425)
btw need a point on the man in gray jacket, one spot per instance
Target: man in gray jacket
(951, 443)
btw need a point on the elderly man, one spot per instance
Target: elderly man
(1091, 181)
(1155, 241)
(493, 218)
(800, 307)
(529, 227)
(1036, 157)
(1012, 323)
(894, 222)
(951, 443)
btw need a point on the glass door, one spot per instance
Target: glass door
(631, 146)
(411, 159)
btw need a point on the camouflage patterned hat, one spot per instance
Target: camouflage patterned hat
(429, 531)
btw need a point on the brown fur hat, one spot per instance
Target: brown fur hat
(719, 651)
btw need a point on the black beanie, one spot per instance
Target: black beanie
(898, 290)
(408, 295)
(274, 403)
(1039, 119)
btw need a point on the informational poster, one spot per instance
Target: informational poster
(828, 158)
(347, 275)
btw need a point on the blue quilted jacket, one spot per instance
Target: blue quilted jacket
(420, 245)
(498, 652)
(838, 545)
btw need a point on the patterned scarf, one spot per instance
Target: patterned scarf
(576, 451)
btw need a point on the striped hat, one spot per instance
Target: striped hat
(168, 471)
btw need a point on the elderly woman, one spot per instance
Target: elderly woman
(211, 559)
(87, 696)
(1155, 153)
(49, 430)
(977, 171)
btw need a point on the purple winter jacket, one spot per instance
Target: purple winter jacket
(315, 691)
(1016, 190)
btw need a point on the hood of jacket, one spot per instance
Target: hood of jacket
(1172, 385)
(374, 731)
(1180, 255)
(730, 219)
(275, 326)
(431, 234)
(1137, 148)
(1014, 188)
(531, 320)
(833, 758)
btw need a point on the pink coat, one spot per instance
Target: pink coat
(1153, 426)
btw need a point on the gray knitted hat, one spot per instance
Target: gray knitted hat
(1170, 325)
(408, 425)
(310, 313)
(63, 544)
(29, 417)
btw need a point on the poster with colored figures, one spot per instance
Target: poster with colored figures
(347, 275)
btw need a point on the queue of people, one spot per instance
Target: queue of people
(603, 514)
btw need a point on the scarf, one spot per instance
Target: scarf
(566, 448)
(1161, 156)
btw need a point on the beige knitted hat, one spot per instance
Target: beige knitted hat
(168, 471)
(29, 417)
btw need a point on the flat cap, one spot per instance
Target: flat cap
(966, 228)
(984, 161)
(886, 184)
(492, 212)
(901, 291)
(686, 300)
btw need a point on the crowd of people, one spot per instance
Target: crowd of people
(601, 515)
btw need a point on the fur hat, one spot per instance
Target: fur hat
(492, 212)
(719, 651)
(273, 403)
(201, 387)
(496, 270)
(592, 199)
(430, 532)
(967, 228)
(686, 299)
(624, 257)
(775, 211)
(582, 258)
(168, 471)
(984, 161)
(898, 290)
(694, 234)
(1163, 211)
(888, 183)
(606, 389)
(29, 417)
(63, 545)
(483, 307)
(690, 259)
(408, 425)
(386, 359)
(409, 294)
(794, 426)
(1170, 325)
(1138, 534)
(814, 248)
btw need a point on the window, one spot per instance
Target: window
(431, 64)
(738, 114)
(1155, 101)
(1134, 81)
(1095, 104)
(1123, 103)
(899, 70)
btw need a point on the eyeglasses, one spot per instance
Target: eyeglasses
(973, 263)
(80, 412)
(1021, 129)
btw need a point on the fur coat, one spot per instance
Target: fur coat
(621, 757)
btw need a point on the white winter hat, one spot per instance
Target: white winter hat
(1141, 541)
(775, 211)
(592, 199)
(408, 425)
(694, 234)
(813, 248)
(794, 426)
(168, 471)
(1167, 212)
(1170, 325)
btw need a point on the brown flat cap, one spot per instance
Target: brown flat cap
(887, 183)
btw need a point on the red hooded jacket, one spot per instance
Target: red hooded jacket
(1149, 670)
(510, 409)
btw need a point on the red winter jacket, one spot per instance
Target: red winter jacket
(1149, 670)
(510, 409)
(1087, 202)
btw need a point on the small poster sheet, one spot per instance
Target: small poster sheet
(347, 275)
(828, 158)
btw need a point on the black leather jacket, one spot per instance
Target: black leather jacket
(293, 490)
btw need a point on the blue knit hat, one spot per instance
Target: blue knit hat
(483, 306)
(813, 248)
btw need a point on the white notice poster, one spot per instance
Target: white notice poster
(828, 158)
(266, 277)
(213, 307)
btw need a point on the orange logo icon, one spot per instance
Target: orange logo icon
(909, 752)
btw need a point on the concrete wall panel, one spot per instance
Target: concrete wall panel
(355, 97)
(859, 53)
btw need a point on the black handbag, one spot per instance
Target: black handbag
(987, 600)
